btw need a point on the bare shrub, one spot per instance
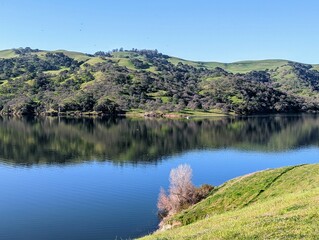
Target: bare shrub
(164, 203)
(182, 192)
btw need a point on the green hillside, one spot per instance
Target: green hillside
(7, 53)
(273, 204)
(235, 67)
(78, 56)
(315, 67)
(35, 82)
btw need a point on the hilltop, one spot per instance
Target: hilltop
(34, 81)
(273, 204)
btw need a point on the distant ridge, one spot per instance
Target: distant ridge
(34, 81)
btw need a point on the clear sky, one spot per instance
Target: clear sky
(208, 30)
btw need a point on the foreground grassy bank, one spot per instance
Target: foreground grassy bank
(273, 204)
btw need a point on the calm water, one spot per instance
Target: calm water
(99, 178)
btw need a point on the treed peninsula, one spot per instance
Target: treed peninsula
(39, 82)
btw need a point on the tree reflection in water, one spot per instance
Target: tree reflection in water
(120, 140)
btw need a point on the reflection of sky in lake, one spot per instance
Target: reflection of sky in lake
(103, 200)
(219, 166)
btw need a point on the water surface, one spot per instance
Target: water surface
(63, 178)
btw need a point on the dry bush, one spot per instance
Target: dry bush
(182, 193)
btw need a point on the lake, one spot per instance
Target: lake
(99, 178)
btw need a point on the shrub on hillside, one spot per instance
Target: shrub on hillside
(182, 193)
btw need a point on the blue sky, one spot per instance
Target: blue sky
(208, 30)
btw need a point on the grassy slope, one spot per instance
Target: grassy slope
(123, 59)
(75, 55)
(236, 67)
(7, 54)
(315, 67)
(273, 204)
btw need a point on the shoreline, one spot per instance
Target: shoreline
(130, 114)
(187, 114)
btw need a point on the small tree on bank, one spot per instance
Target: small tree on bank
(182, 193)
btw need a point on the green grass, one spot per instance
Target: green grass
(86, 84)
(7, 54)
(235, 67)
(273, 204)
(41, 54)
(3, 82)
(123, 59)
(124, 54)
(55, 72)
(175, 61)
(75, 55)
(30, 82)
(202, 113)
(195, 113)
(152, 69)
(158, 94)
(315, 67)
(125, 62)
(95, 60)
(236, 100)
(247, 66)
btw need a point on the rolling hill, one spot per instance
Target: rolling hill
(34, 81)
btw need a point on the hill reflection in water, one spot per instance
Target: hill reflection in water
(139, 141)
